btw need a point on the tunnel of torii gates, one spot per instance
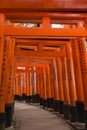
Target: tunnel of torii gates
(44, 65)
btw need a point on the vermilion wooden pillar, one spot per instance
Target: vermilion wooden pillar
(37, 95)
(34, 87)
(71, 80)
(20, 86)
(83, 63)
(78, 81)
(41, 86)
(37, 86)
(60, 85)
(49, 93)
(65, 88)
(2, 88)
(52, 84)
(17, 87)
(9, 82)
(55, 85)
(24, 87)
(30, 87)
(20, 91)
(16, 94)
(27, 86)
(44, 87)
(21, 78)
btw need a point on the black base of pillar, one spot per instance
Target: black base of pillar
(23, 97)
(85, 118)
(33, 98)
(48, 102)
(41, 101)
(52, 102)
(44, 103)
(16, 97)
(61, 106)
(20, 98)
(37, 98)
(80, 111)
(66, 111)
(9, 114)
(72, 113)
(27, 99)
(2, 120)
(56, 107)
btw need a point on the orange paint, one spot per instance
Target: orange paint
(77, 70)
(65, 81)
(83, 63)
(55, 80)
(60, 81)
(48, 73)
(71, 80)
(2, 67)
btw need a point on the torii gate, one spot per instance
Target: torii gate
(44, 36)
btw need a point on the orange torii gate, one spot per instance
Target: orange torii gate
(28, 71)
(65, 60)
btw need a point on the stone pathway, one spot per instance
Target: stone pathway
(30, 117)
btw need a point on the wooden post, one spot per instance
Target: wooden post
(49, 94)
(65, 88)
(38, 86)
(27, 86)
(41, 86)
(23, 83)
(16, 94)
(2, 88)
(60, 85)
(55, 85)
(71, 80)
(44, 87)
(78, 81)
(31, 87)
(20, 86)
(33, 80)
(9, 82)
(52, 84)
(83, 63)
